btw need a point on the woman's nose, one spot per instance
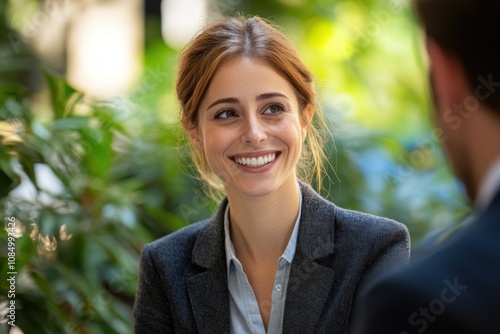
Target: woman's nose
(254, 131)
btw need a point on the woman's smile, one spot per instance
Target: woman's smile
(256, 161)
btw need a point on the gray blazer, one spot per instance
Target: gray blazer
(183, 283)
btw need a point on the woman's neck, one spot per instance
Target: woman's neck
(261, 226)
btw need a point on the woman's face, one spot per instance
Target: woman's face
(249, 128)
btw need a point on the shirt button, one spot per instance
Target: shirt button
(282, 262)
(278, 287)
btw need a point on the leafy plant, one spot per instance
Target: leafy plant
(86, 193)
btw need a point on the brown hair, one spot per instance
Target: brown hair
(468, 29)
(251, 37)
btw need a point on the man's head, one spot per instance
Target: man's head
(469, 30)
(464, 51)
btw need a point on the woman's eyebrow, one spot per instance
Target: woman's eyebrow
(266, 96)
(260, 97)
(224, 100)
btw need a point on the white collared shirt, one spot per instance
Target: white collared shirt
(489, 186)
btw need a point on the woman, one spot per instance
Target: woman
(276, 257)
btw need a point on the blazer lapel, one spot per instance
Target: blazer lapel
(310, 282)
(208, 290)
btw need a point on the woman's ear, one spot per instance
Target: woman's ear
(307, 119)
(193, 134)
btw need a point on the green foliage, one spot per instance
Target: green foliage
(79, 237)
(95, 187)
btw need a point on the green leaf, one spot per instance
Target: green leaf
(60, 93)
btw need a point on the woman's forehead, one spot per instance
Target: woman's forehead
(243, 76)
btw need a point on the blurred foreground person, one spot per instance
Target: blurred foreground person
(276, 257)
(455, 288)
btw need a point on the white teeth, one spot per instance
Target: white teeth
(256, 162)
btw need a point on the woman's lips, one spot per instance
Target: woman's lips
(256, 161)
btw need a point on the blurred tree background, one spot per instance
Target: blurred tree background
(90, 179)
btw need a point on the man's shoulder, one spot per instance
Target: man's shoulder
(471, 258)
(452, 289)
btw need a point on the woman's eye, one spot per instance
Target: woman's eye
(274, 109)
(225, 114)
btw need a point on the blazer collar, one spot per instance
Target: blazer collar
(308, 277)
(208, 290)
(316, 234)
(209, 245)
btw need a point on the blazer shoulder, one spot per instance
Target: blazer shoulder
(180, 236)
(374, 243)
(371, 226)
(357, 234)
(317, 208)
(177, 245)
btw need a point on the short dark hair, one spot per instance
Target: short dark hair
(468, 29)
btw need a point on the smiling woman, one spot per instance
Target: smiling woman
(250, 113)
(260, 41)
(276, 257)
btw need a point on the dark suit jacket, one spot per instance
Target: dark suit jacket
(183, 276)
(456, 289)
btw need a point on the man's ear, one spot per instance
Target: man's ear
(449, 80)
(193, 134)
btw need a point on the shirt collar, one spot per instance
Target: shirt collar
(289, 252)
(489, 186)
(227, 239)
